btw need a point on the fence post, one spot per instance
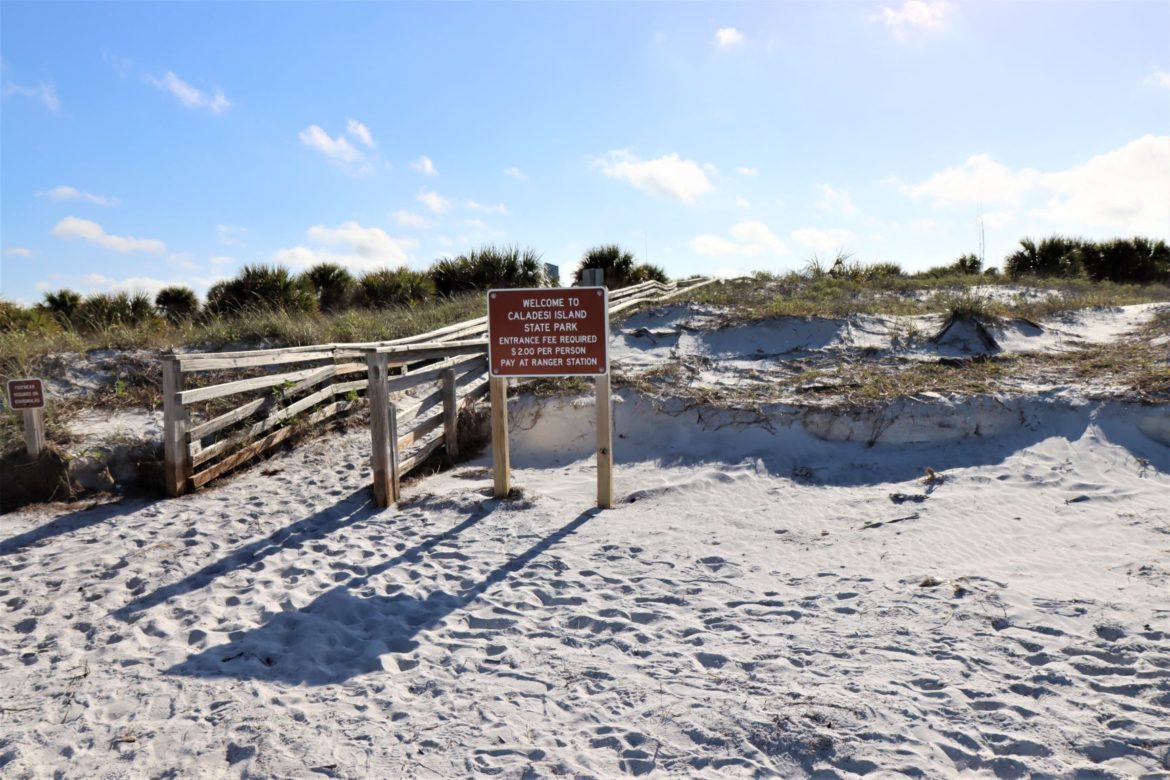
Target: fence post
(381, 461)
(604, 443)
(450, 415)
(177, 468)
(395, 485)
(501, 464)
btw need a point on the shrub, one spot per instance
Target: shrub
(968, 264)
(845, 267)
(1053, 256)
(63, 305)
(14, 317)
(385, 288)
(488, 267)
(105, 310)
(1137, 260)
(617, 263)
(260, 287)
(645, 272)
(882, 270)
(334, 287)
(177, 304)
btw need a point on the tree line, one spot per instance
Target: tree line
(330, 288)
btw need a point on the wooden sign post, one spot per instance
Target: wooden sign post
(28, 396)
(548, 332)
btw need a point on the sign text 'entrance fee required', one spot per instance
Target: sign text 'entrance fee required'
(548, 332)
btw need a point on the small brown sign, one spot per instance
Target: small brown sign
(26, 394)
(548, 332)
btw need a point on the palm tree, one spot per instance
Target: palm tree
(63, 304)
(333, 285)
(177, 303)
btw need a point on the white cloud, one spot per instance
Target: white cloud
(823, 240)
(298, 257)
(229, 235)
(836, 200)
(1125, 188)
(357, 130)
(425, 166)
(979, 179)
(750, 238)
(743, 204)
(182, 260)
(1122, 189)
(433, 201)
(44, 93)
(998, 219)
(746, 171)
(361, 248)
(189, 96)
(337, 149)
(668, 176)
(1158, 78)
(19, 251)
(410, 219)
(916, 15)
(727, 37)
(71, 193)
(221, 260)
(515, 173)
(72, 227)
(499, 208)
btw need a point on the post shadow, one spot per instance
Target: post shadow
(341, 635)
(74, 521)
(355, 508)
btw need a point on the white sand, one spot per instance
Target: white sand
(754, 607)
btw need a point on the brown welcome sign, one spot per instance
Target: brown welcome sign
(550, 332)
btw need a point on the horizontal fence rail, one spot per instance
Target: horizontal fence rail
(251, 401)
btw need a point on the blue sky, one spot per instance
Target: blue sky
(149, 143)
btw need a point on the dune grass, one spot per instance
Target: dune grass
(764, 295)
(252, 330)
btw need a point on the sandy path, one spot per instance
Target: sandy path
(743, 615)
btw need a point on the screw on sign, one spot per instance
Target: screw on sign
(548, 332)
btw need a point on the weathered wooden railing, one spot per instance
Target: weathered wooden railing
(212, 429)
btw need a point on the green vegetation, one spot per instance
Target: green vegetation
(177, 304)
(333, 286)
(620, 266)
(258, 288)
(1132, 260)
(387, 288)
(816, 292)
(487, 267)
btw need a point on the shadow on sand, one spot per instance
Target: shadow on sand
(357, 507)
(341, 635)
(74, 521)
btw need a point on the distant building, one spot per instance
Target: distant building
(553, 272)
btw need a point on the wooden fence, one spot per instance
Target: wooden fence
(242, 409)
